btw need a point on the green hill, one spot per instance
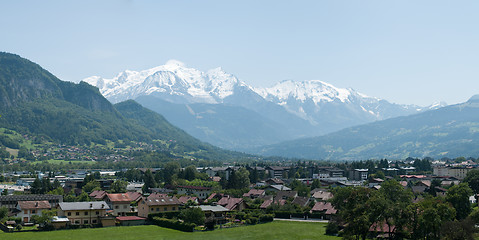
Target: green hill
(450, 131)
(33, 101)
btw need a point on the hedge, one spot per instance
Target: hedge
(174, 224)
(168, 215)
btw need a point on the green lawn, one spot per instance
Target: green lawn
(274, 230)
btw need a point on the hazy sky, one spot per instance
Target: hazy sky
(411, 52)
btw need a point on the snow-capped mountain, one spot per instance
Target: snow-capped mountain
(293, 109)
(187, 85)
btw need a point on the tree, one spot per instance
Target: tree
(91, 186)
(149, 180)
(36, 187)
(3, 213)
(352, 210)
(242, 178)
(171, 168)
(458, 196)
(395, 212)
(190, 173)
(193, 215)
(316, 184)
(118, 186)
(472, 178)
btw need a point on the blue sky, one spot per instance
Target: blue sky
(409, 52)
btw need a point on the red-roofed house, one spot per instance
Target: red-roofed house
(119, 203)
(232, 204)
(254, 193)
(27, 209)
(98, 195)
(185, 199)
(324, 207)
(157, 203)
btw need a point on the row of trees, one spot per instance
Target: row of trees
(391, 210)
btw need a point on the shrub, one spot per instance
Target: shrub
(169, 215)
(266, 218)
(279, 214)
(174, 224)
(252, 220)
(332, 228)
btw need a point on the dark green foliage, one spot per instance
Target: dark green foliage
(332, 228)
(193, 215)
(472, 178)
(174, 224)
(118, 186)
(8, 142)
(458, 196)
(169, 215)
(458, 230)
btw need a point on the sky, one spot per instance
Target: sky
(407, 52)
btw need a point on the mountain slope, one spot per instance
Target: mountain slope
(36, 102)
(285, 111)
(450, 131)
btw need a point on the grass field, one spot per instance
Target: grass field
(273, 230)
(55, 161)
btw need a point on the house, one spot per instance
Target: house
(185, 199)
(324, 208)
(276, 188)
(200, 192)
(232, 204)
(60, 222)
(156, 203)
(83, 212)
(254, 193)
(11, 201)
(358, 174)
(274, 181)
(375, 182)
(215, 211)
(97, 195)
(301, 201)
(322, 196)
(26, 209)
(276, 171)
(119, 203)
(270, 202)
(285, 195)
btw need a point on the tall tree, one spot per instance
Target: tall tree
(458, 196)
(472, 178)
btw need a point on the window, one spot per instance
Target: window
(77, 213)
(33, 211)
(157, 209)
(93, 221)
(165, 208)
(77, 221)
(152, 209)
(116, 207)
(85, 221)
(69, 213)
(125, 207)
(97, 213)
(86, 213)
(173, 208)
(25, 211)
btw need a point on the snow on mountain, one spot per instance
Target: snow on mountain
(174, 79)
(314, 106)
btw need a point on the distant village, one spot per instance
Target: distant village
(226, 196)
